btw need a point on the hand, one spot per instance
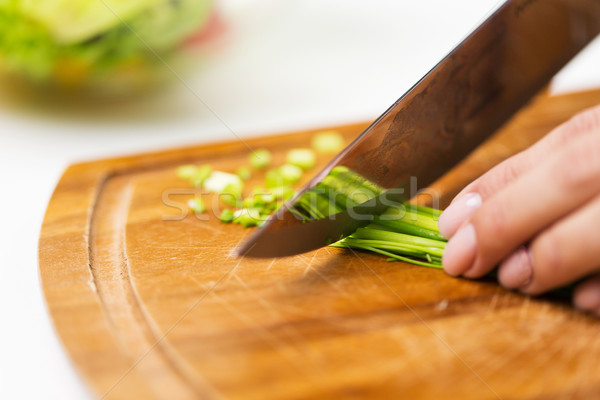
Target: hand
(535, 215)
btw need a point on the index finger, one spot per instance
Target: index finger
(512, 168)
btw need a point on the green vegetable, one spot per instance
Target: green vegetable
(197, 205)
(196, 175)
(260, 159)
(252, 210)
(345, 174)
(232, 194)
(317, 205)
(71, 42)
(290, 173)
(401, 240)
(186, 171)
(227, 216)
(267, 200)
(244, 173)
(348, 193)
(283, 192)
(248, 217)
(411, 220)
(285, 175)
(406, 232)
(201, 174)
(303, 158)
(218, 181)
(328, 142)
(262, 196)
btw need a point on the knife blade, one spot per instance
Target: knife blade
(459, 103)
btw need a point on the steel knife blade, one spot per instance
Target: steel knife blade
(465, 98)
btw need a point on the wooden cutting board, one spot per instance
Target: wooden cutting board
(150, 305)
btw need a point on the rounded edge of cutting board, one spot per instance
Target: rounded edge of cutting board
(82, 317)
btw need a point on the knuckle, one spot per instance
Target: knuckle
(505, 173)
(495, 221)
(548, 260)
(578, 125)
(585, 121)
(511, 170)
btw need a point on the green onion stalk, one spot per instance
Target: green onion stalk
(406, 232)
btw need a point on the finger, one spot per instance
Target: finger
(587, 295)
(507, 171)
(516, 271)
(457, 213)
(567, 251)
(512, 168)
(519, 211)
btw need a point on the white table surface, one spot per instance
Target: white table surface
(280, 65)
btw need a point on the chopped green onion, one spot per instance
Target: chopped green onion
(290, 173)
(232, 194)
(303, 158)
(202, 173)
(317, 205)
(249, 202)
(186, 171)
(260, 159)
(263, 196)
(346, 174)
(406, 232)
(218, 181)
(283, 192)
(227, 216)
(273, 178)
(244, 173)
(248, 217)
(411, 219)
(349, 193)
(196, 175)
(285, 175)
(328, 142)
(262, 223)
(197, 205)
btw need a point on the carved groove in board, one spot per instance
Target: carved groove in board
(116, 292)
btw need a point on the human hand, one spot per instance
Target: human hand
(535, 215)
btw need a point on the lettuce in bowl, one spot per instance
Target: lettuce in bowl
(73, 42)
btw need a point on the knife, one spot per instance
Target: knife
(457, 105)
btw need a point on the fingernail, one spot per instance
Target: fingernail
(460, 251)
(588, 297)
(457, 213)
(517, 270)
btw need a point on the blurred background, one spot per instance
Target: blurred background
(260, 67)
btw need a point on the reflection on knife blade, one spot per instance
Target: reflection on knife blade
(448, 113)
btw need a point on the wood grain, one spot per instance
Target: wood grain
(153, 306)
